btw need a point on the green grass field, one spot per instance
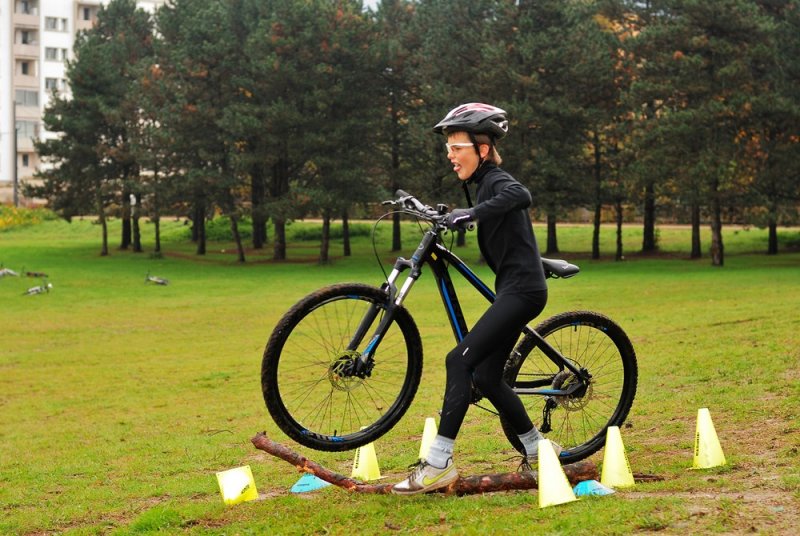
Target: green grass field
(120, 400)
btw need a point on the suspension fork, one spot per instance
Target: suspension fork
(394, 299)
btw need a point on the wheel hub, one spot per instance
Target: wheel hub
(577, 401)
(340, 371)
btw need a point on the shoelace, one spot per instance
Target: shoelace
(417, 467)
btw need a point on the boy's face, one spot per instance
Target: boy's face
(461, 153)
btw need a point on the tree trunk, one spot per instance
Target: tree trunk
(396, 240)
(717, 248)
(197, 215)
(772, 243)
(598, 192)
(576, 472)
(258, 192)
(126, 220)
(619, 256)
(598, 208)
(461, 238)
(326, 238)
(279, 247)
(135, 214)
(697, 251)
(552, 239)
(279, 187)
(101, 214)
(237, 237)
(649, 244)
(346, 234)
(199, 228)
(157, 225)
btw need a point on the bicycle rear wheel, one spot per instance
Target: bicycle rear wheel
(578, 423)
(305, 390)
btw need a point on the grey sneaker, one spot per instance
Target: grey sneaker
(529, 463)
(425, 478)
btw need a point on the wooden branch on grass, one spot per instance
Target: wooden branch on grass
(465, 485)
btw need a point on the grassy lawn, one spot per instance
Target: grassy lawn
(119, 400)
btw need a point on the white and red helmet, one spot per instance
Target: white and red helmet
(476, 118)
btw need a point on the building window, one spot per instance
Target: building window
(51, 83)
(64, 54)
(50, 53)
(55, 24)
(87, 13)
(27, 129)
(27, 97)
(26, 7)
(25, 68)
(26, 160)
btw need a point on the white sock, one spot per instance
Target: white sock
(530, 440)
(440, 451)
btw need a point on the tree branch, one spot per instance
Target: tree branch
(576, 472)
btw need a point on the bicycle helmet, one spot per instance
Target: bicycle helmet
(475, 118)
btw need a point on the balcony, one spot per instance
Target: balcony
(24, 144)
(27, 20)
(28, 112)
(26, 81)
(29, 50)
(81, 24)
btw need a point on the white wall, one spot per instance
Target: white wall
(6, 95)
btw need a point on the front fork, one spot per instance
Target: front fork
(362, 367)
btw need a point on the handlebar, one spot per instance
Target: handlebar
(412, 206)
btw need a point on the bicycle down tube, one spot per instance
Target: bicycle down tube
(440, 259)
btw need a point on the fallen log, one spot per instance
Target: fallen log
(465, 485)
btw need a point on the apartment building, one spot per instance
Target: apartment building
(36, 38)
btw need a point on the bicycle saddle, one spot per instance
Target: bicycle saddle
(559, 268)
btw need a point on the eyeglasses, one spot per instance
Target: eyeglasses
(456, 147)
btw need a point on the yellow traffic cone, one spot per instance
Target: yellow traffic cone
(707, 450)
(616, 469)
(365, 464)
(428, 435)
(237, 485)
(554, 487)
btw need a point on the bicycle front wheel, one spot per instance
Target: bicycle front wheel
(306, 389)
(578, 422)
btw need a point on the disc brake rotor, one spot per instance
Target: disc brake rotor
(339, 372)
(563, 380)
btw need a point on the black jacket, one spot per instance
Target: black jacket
(505, 233)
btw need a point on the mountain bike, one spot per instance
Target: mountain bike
(342, 366)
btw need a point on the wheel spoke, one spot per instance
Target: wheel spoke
(313, 391)
(592, 342)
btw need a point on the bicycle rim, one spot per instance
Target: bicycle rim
(591, 341)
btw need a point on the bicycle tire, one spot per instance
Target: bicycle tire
(589, 340)
(305, 396)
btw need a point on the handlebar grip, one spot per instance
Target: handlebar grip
(402, 193)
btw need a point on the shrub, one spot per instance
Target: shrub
(219, 229)
(11, 217)
(308, 233)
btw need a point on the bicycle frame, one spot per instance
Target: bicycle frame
(439, 258)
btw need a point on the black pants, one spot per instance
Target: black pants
(480, 358)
